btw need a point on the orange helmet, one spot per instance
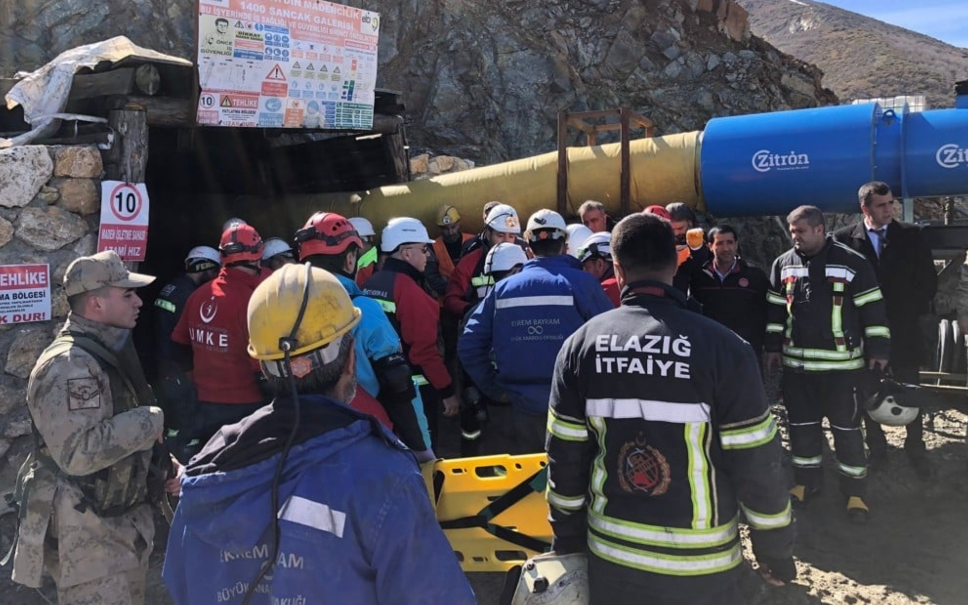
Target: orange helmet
(326, 233)
(240, 243)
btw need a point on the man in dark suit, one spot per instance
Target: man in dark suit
(902, 260)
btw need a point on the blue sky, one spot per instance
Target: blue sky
(945, 20)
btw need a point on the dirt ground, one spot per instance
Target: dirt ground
(914, 550)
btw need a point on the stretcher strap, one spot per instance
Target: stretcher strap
(535, 483)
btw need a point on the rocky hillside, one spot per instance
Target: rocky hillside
(860, 57)
(485, 80)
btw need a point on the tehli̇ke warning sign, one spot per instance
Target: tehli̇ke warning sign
(24, 293)
(286, 64)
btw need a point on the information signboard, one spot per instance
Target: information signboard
(286, 64)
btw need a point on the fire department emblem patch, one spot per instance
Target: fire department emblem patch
(743, 282)
(642, 468)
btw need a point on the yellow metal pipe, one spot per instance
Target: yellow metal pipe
(664, 170)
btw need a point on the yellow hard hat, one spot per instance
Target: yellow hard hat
(447, 215)
(276, 305)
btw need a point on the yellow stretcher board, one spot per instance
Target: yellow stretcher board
(492, 508)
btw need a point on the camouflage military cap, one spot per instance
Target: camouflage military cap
(102, 269)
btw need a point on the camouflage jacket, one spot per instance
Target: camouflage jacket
(72, 406)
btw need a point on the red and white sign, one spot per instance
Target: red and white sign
(24, 293)
(124, 219)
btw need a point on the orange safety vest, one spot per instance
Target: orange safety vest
(443, 257)
(683, 254)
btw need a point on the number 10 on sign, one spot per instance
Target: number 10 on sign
(124, 219)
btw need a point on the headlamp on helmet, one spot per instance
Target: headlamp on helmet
(326, 233)
(240, 243)
(503, 219)
(598, 245)
(544, 225)
(313, 301)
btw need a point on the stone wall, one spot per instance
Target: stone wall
(49, 204)
(425, 165)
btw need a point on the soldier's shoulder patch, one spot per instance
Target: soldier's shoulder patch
(83, 394)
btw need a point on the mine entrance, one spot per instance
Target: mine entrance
(198, 178)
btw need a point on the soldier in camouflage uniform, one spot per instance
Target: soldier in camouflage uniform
(83, 513)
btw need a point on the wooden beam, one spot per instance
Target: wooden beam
(581, 125)
(114, 82)
(160, 111)
(128, 157)
(602, 113)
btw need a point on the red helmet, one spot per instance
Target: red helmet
(658, 211)
(326, 233)
(240, 243)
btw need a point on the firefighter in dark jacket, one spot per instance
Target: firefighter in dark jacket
(659, 433)
(826, 323)
(905, 270)
(402, 291)
(732, 291)
(202, 265)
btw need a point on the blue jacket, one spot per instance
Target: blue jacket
(524, 320)
(355, 521)
(375, 339)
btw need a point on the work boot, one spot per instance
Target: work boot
(857, 510)
(876, 456)
(919, 461)
(801, 494)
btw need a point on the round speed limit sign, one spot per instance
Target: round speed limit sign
(126, 202)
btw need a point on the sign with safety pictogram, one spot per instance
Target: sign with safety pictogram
(305, 64)
(24, 293)
(124, 219)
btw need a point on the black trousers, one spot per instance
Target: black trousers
(527, 432)
(809, 397)
(431, 405)
(914, 439)
(605, 589)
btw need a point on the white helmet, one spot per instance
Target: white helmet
(894, 403)
(551, 579)
(275, 246)
(232, 222)
(504, 257)
(546, 224)
(204, 253)
(599, 244)
(577, 234)
(403, 230)
(503, 219)
(363, 227)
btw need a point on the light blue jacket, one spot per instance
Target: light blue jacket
(375, 339)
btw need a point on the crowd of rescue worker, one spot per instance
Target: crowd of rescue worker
(300, 377)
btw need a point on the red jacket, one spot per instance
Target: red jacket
(416, 316)
(462, 291)
(214, 325)
(610, 286)
(365, 273)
